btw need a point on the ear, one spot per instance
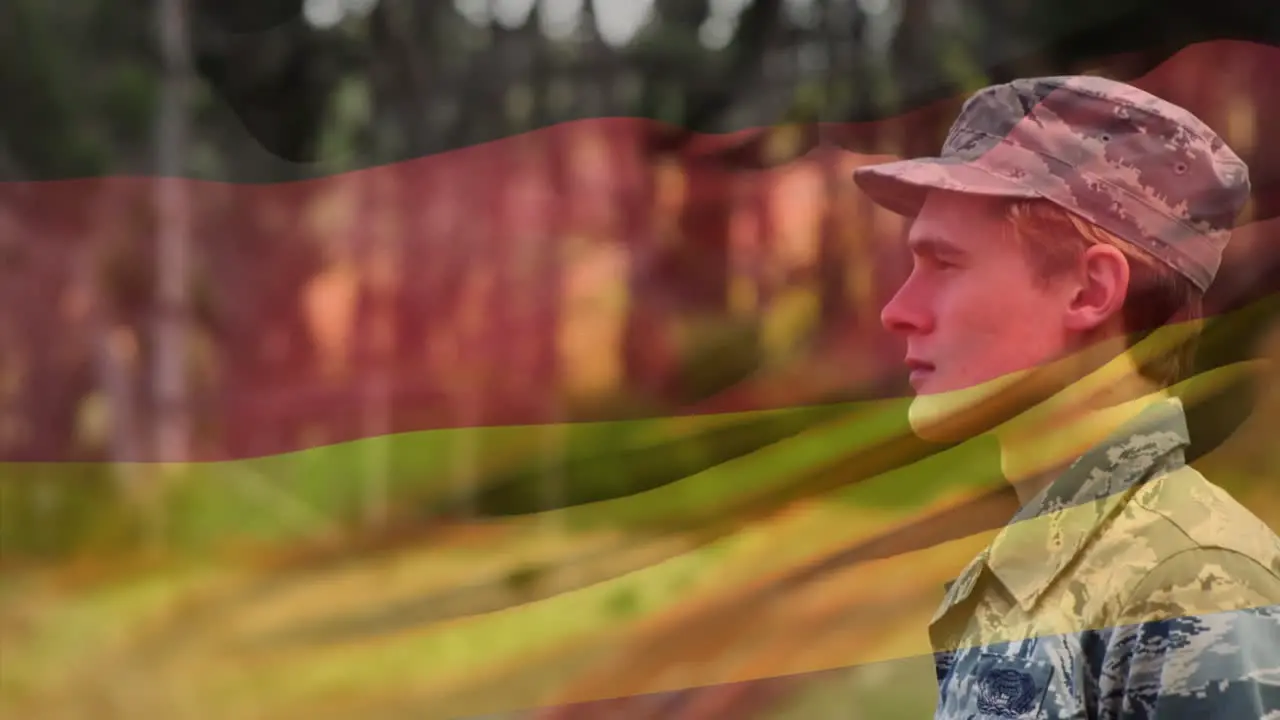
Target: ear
(1099, 295)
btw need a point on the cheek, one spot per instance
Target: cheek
(974, 307)
(996, 327)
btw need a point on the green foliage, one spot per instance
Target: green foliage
(522, 579)
(718, 355)
(130, 99)
(964, 72)
(622, 468)
(790, 324)
(900, 689)
(51, 512)
(300, 495)
(350, 112)
(624, 603)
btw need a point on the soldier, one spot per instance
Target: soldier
(1066, 219)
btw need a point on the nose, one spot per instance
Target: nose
(906, 313)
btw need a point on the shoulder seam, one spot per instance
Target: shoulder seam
(1147, 575)
(1173, 522)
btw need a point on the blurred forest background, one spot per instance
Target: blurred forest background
(397, 251)
(432, 216)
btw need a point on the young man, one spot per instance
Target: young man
(1064, 216)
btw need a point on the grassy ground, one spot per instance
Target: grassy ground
(83, 652)
(260, 644)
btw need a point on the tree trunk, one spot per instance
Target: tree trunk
(173, 243)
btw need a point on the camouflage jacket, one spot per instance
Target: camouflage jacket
(1129, 588)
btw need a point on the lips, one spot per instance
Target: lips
(919, 369)
(914, 364)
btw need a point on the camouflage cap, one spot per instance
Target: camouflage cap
(1142, 168)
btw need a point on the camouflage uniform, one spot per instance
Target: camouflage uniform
(1130, 587)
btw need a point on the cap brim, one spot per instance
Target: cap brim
(901, 186)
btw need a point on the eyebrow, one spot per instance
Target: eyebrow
(934, 246)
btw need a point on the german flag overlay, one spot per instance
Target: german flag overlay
(394, 359)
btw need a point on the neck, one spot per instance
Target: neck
(1038, 444)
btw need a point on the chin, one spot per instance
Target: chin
(953, 415)
(932, 419)
(931, 384)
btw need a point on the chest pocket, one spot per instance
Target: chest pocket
(983, 685)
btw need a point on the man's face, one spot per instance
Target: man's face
(971, 310)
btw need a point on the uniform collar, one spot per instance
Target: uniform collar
(1049, 531)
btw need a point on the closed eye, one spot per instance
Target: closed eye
(934, 262)
(936, 253)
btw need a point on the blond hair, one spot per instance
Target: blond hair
(1054, 241)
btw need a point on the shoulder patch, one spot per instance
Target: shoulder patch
(1006, 692)
(1010, 687)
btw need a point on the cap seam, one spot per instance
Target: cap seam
(1199, 132)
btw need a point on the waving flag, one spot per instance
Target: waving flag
(579, 418)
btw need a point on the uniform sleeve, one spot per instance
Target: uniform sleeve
(1198, 639)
